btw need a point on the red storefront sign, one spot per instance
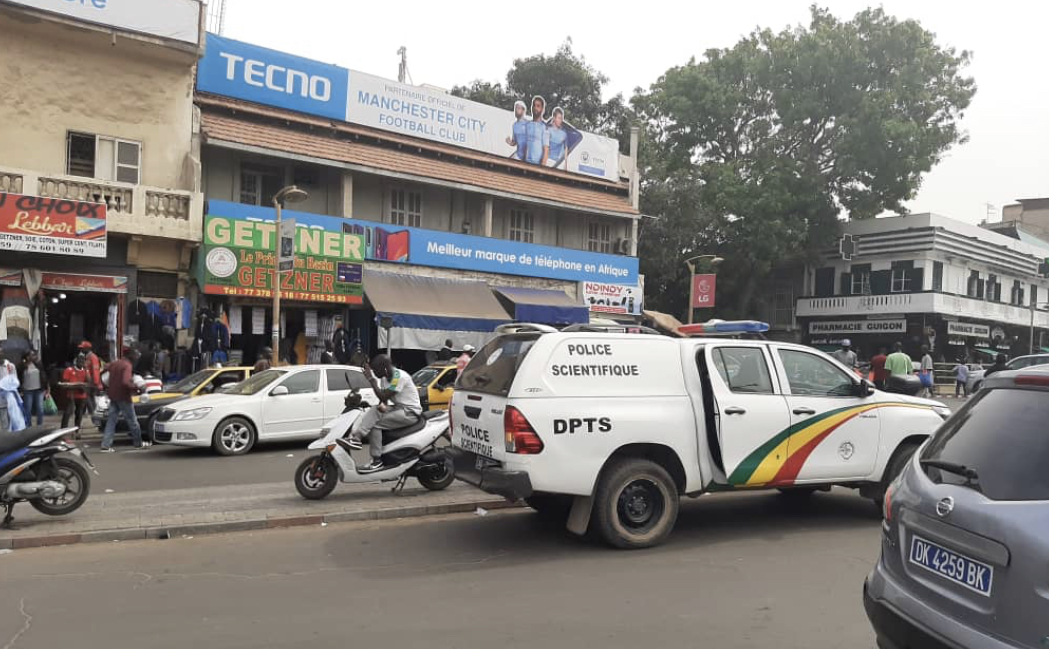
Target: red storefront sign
(703, 288)
(52, 225)
(94, 283)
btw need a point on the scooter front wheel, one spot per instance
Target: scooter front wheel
(316, 477)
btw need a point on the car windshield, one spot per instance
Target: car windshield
(424, 376)
(1002, 437)
(256, 383)
(191, 382)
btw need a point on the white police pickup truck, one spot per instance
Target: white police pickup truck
(610, 429)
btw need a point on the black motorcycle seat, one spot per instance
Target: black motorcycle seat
(397, 433)
(14, 441)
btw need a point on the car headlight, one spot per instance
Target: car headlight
(942, 411)
(192, 415)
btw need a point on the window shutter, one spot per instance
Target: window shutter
(846, 283)
(881, 282)
(824, 282)
(917, 279)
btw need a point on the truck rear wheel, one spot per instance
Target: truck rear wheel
(636, 504)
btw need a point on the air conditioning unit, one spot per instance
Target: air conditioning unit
(622, 246)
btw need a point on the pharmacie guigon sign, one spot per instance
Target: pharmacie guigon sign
(239, 259)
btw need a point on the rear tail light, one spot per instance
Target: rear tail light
(521, 438)
(1033, 379)
(887, 503)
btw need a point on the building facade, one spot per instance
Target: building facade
(425, 219)
(927, 280)
(99, 179)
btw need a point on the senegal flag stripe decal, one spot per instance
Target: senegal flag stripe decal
(780, 459)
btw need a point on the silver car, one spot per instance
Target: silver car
(977, 372)
(965, 543)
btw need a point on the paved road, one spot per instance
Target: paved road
(740, 571)
(174, 467)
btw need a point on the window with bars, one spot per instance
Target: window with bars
(522, 226)
(104, 158)
(600, 237)
(153, 284)
(259, 184)
(406, 208)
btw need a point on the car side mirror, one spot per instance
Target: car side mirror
(279, 391)
(864, 388)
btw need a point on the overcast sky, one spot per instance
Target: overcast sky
(1006, 158)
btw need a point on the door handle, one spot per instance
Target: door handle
(735, 410)
(804, 411)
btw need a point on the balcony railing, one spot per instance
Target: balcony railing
(130, 209)
(956, 306)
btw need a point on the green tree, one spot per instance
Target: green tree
(563, 79)
(771, 141)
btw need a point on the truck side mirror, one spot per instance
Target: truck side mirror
(864, 388)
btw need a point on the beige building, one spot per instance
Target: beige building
(98, 107)
(1030, 214)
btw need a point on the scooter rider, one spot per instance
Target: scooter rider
(395, 386)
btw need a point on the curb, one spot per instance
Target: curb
(250, 524)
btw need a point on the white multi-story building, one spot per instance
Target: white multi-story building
(924, 279)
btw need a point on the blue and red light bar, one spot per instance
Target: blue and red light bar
(724, 327)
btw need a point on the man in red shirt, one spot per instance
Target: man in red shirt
(76, 398)
(121, 389)
(881, 375)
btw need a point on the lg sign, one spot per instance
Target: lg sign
(278, 78)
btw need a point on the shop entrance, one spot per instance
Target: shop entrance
(71, 317)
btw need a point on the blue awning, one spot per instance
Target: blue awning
(415, 302)
(542, 306)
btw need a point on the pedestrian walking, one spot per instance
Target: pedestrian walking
(446, 352)
(961, 379)
(845, 355)
(878, 372)
(93, 365)
(464, 358)
(11, 417)
(121, 390)
(33, 382)
(264, 362)
(926, 374)
(328, 355)
(1000, 365)
(898, 362)
(75, 377)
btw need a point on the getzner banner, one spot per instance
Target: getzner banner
(530, 130)
(399, 244)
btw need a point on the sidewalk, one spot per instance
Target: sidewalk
(207, 510)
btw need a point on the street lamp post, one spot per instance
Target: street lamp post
(691, 263)
(1034, 307)
(289, 194)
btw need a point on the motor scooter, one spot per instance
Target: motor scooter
(35, 467)
(407, 452)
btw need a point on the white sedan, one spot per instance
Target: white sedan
(283, 403)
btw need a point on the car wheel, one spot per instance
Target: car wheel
(635, 505)
(904, 453)
(149, 431)
(233, 436)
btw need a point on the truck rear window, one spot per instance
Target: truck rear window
(492, 370)
(1003, 437)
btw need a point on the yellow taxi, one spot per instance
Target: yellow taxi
(435, 384)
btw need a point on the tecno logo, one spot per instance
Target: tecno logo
(277, 78)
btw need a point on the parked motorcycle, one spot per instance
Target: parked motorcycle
(32, 470)
(407, 452)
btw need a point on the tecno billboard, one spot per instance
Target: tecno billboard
(531, 131)
(175, 19)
